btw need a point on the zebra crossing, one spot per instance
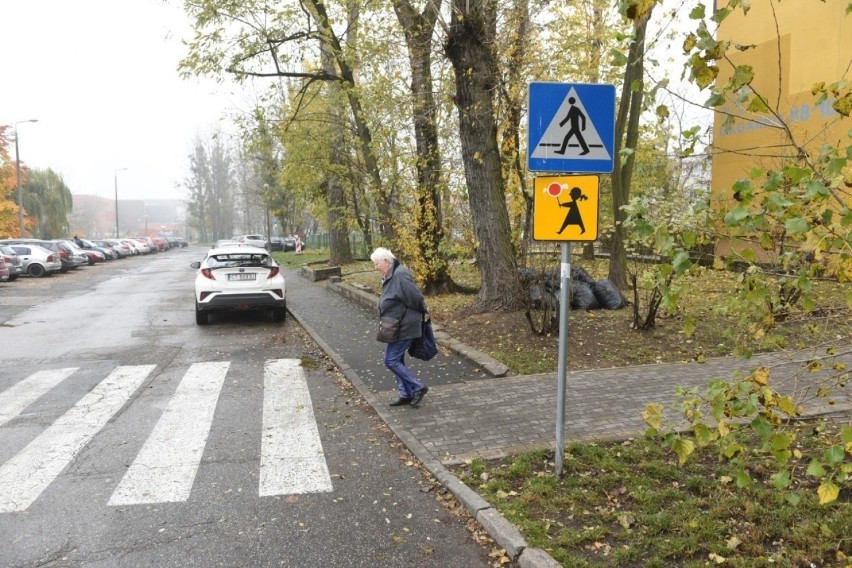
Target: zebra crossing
(164, 470)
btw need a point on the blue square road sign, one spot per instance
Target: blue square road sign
(571, 127)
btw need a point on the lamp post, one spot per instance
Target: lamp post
(18, 175)
(115, 179)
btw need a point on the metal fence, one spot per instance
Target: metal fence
(357, 243)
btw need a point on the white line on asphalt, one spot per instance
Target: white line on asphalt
(165, 468)
(17, 397)
(27, 474)
(291, 456)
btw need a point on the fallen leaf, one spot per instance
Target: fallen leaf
(733, 542)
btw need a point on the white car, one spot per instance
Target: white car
(254, 241)
(238, 278)
(37, 261)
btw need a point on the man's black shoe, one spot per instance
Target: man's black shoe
(418, 396)
(402, 401)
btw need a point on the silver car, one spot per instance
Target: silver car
(13, 261)
(38, 261)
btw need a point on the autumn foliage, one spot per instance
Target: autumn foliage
(8, 207)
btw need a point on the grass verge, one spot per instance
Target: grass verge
(631, 504)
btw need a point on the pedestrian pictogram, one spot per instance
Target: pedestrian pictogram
(565, 208)
(571, 128)
(578, 124)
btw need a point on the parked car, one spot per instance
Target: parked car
(118, 249)
(11, 258)
(38, 261)
(4, 270)
(71, 255)
(152, 246)
(162, 245)
(140, 245)
(276, 244)
(63, 253)
(135, 247)
(254, 241)
(289, 243)
(94, 256)
(87, 245)
(238, 278)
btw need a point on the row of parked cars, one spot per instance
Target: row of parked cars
(42, 257)
(272, 244)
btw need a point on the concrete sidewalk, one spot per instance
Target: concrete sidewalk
(474, 410)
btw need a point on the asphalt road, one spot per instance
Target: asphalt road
(129, 436)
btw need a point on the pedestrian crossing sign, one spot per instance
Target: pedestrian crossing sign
(571, 127)
(565, 208)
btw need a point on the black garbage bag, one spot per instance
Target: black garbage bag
(552, 280)
(582, 296)
(579, 273)
(608, 295)
(527, 275)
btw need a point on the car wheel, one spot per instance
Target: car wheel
(13, 278)
(279, 314)
(35, 270)
(201, 317)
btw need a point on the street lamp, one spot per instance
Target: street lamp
(18, 175)
(115, 179)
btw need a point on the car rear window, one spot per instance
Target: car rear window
(237, 259)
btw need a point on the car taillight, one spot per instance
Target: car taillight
(207, 274)
(273, 272)
(51, 258)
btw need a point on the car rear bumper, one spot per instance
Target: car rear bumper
(221, 301)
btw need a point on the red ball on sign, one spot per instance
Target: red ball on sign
(554, 189)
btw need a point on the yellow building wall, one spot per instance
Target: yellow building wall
(815, 45)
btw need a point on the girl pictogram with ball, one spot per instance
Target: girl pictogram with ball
(573, 216)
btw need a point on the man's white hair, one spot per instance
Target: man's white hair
(382, 253)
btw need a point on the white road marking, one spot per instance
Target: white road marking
(165, 468)
(291, 457)
(16, 398)
(28, 473)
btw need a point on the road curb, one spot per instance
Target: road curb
(504, 533)
(369, 300)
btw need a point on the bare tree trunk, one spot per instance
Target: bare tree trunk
(340, 250)
(596, 48)
(469, 47)
(364, 134)
(514, 97)
(419, 29)
(626, 136)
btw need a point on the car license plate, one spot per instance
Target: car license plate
(242, 276)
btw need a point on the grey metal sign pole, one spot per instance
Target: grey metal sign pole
(562, 367)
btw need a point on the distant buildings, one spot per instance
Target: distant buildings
(94, 217)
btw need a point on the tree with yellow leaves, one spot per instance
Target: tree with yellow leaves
(8, 208)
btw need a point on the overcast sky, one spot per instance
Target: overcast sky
(101, 78)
